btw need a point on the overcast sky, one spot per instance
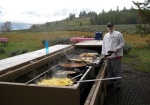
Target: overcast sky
(14, 8)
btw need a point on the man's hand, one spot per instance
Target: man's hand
(103, 57)
(116, 50)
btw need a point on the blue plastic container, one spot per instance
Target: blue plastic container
(98, 35)
(47, 47)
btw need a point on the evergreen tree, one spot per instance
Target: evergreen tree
(144, 14)
(6, 27)
(71, 16)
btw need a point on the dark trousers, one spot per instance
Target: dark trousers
(114, 70)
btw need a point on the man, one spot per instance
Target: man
(113, 41)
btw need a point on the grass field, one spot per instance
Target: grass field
(138, 59)
(33, 41)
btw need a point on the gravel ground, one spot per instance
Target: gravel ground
(142, 78)
(135, 89)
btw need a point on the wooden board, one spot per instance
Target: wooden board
(91, 43)
(16, 60)
(98, 90)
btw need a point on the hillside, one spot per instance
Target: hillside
(73, 22)
(78, 24)
(88, 21)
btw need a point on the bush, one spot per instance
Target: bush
(2, 50)
(17, 52)
(148, 43)
(24, 51)
(126, 49)
(58, 40)
(13, 53)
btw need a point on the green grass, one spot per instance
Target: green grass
(33, 40)
(139, 59)
(13, 46)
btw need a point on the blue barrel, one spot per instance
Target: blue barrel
(98, 35)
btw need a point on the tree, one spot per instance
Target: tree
(6, 27)
(81, 15)
(33, 27)
(144, 14)
(71, 16)
(125, 16)
(47, 24)
(117, 9)
(80, 23)
(84, 13)
(91, 21)
(66, 19)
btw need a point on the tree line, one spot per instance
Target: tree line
(125, 16)
(139, 16)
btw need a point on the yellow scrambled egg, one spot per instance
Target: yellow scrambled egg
(56, 82)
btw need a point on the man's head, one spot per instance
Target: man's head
(110, 26)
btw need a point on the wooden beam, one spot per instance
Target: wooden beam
(11, 75)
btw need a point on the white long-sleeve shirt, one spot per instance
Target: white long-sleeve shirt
(111, 42)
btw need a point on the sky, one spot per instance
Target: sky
(16, 10)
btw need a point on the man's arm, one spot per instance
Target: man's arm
(121, 42)
(103, 47)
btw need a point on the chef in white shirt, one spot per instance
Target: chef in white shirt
(113, 41)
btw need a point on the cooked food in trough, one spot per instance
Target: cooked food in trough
(66, 72)
(56, 82)
(84, 59)
(72, 65)
(87, 60)
(87, 55)
(78, 60)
